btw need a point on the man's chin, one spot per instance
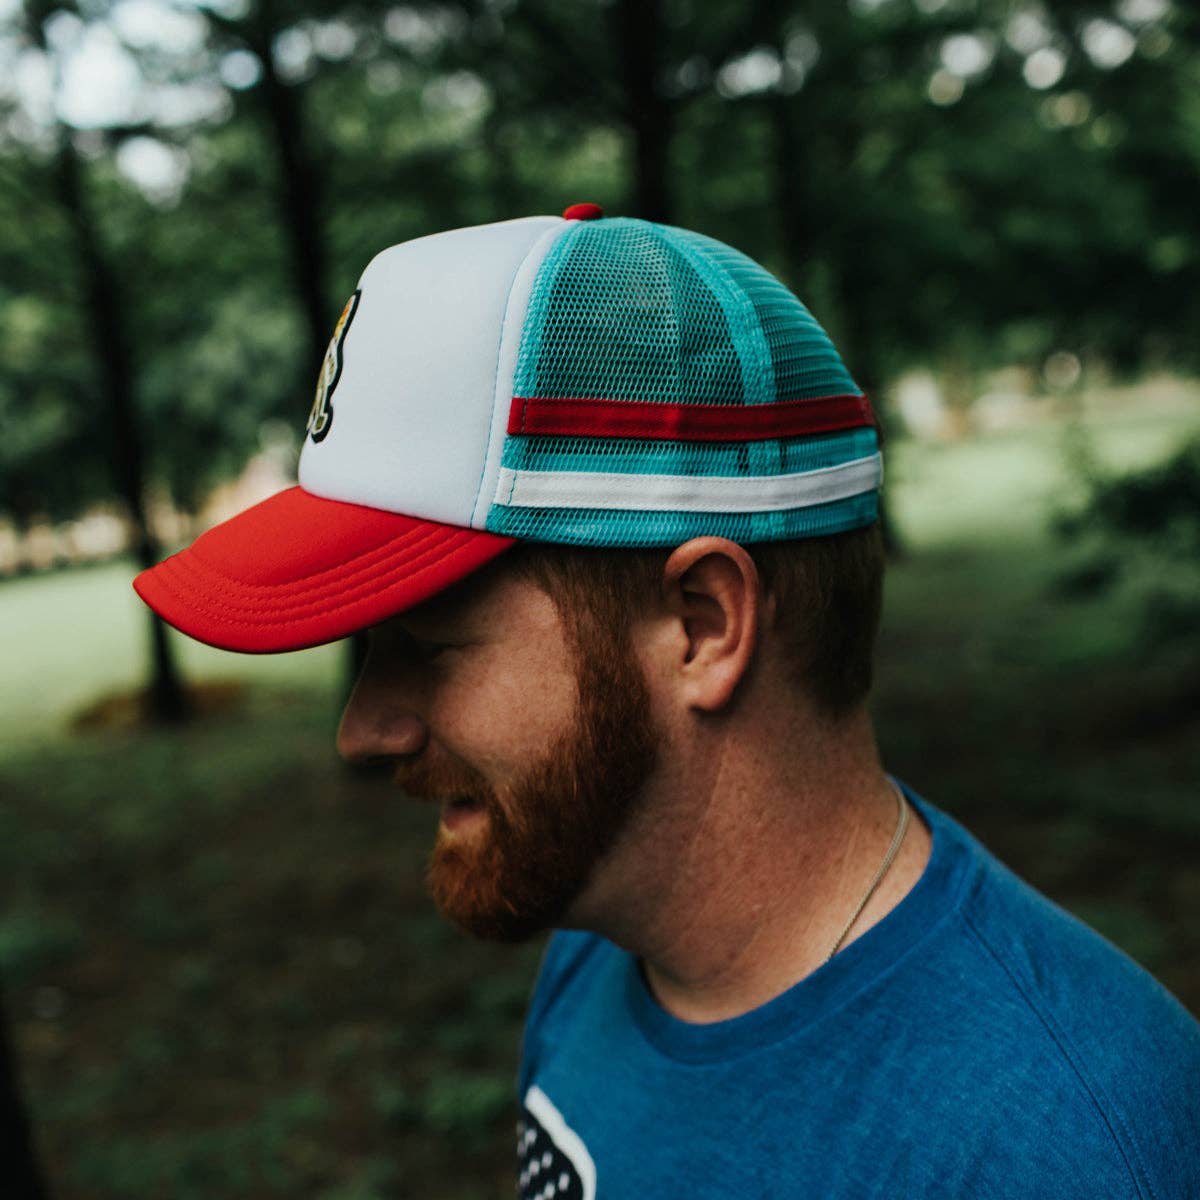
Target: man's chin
(489, 921)
(472, 890)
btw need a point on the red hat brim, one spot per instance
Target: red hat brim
(298, 570)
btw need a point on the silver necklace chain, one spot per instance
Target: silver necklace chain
(888, 859)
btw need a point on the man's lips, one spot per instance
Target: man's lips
(458, 811)
(461, 799)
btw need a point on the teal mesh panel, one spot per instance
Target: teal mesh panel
(626, 310)
(804, 360)
(635, 456)
(604, 527)
(618, 285)
(681, 318)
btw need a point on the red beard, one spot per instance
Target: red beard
(517, 871)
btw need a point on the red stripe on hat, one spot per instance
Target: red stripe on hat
(563, 417)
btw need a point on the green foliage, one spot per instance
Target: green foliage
(274, 956)
(376, 1179)
(1142, 530)
(32, 939)
(962, 220)
(253, 1156)
(465, 1107)
(47, 392)
(1158, 507)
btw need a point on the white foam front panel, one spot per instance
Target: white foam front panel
(415, 408)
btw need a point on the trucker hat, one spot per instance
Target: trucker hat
(583, 380)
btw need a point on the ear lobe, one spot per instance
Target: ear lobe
(713, 588)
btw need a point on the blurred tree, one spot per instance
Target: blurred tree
(106, 322)
(297, 186)
(44, 409)
(1143, 528)
(299, 189)
(22, 1173)
(955, 184)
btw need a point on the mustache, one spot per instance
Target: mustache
(443, 779)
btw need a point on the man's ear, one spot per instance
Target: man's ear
(712, 589)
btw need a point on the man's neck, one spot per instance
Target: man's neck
(741, 881)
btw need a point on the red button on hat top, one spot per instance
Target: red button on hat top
(583, 212)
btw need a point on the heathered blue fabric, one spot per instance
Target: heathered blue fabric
(978, 1042)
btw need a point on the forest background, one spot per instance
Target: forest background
(220, 973)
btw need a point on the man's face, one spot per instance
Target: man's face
(537, 743)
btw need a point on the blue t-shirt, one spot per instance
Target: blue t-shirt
(977, 1042)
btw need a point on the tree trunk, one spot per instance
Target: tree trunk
(300, 200)
(299, 194)
(857, 338)
(639, 36)
(21, 1173)
(797, 237)
(108, 327)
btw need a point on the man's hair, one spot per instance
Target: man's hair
(828, 593)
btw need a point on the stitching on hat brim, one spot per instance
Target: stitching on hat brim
(289, 606)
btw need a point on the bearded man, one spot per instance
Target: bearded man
(605, 496)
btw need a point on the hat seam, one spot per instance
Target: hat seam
(362, 563)
(307, 597)
(232, 613)
(526, 400)
(733, 300)
(512, 283)
(547, 277)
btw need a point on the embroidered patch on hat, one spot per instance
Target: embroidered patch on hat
(554, 1162)
(321, 417)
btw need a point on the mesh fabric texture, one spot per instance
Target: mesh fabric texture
(627, 310)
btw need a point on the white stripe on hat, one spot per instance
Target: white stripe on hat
(687, 493)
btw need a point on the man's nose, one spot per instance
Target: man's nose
(381, 719)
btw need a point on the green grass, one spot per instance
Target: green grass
(69, 638)
(225, 977)
(1001, 489)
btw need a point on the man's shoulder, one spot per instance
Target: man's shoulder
(1064, 970)
(1072, 1015)
(978, 1035)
